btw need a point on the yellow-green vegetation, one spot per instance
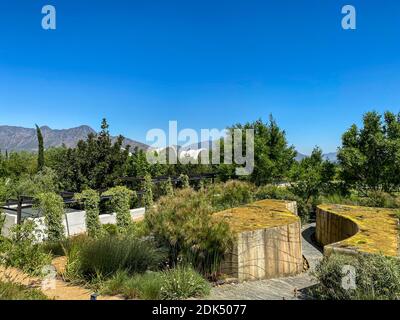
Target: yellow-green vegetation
(378, 228)
(22, 249)
(258, 215)
(184, 224)
(14, 291)
(120, 202)
(181, 282)
(377, 278)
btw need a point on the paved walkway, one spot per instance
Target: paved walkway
(275, 289)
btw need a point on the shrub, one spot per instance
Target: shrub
(110, 229)
(2, 221)
(91, 200)
(173, 284)
(52, 207)
(4, 189)
(377, 278)
(168, 188)
(139, 230)
(22, 250)
(147, 198)
(120, 201)
(61, 248)
(202, 185)
(337, 198)
(184, 224)
(183, 282)
(13, 291)
(107, 255)
(274, 192)
(283, 193)
(144, 286)
(370, 199)
(115, 285)
(381, 199)
(184, 181)
(73, 267)
(231, 194)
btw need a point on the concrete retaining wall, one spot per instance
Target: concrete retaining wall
(9, 222)
(331, 229)
(266, 253)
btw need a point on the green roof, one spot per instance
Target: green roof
(258, 215)
(378, 228)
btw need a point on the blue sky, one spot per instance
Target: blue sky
(206, 64)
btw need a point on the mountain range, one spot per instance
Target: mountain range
(24, 139)
(331, 156)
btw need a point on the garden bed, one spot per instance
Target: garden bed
(352, 229)
(260, 215)
(267, 240)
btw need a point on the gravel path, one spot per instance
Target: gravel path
(275, 289)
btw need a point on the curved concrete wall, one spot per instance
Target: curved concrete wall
(332, 228)
(267, 253)
(355, 229)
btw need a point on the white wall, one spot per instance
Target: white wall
(74, 222)
(9, 222)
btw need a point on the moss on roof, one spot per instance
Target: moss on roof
(378, 228)
(258, 215)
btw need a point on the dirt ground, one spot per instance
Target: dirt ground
(57, 290)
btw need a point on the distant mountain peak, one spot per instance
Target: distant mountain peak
(43, 128)
(331, 156)
(85, 127)
(14, 138)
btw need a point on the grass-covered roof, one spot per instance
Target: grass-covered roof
(378, 228)
(258, 215)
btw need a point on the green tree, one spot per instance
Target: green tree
(40, 162)
(3, 171)
(273, 157)
(42, 182)
(370, 155)
(91, 199)
(5, 190)
(312, 175)
(17, 164)
(96, 163)
(55, 156)
(51, 205)
(120, 202)
(147, 191)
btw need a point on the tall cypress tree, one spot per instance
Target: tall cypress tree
(41, 148)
